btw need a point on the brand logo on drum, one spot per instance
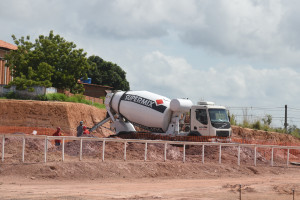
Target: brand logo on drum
(139, 100)
(155, 105)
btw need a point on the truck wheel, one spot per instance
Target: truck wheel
(194, 133)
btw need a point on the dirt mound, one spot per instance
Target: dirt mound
(260, 135)
(48, 114)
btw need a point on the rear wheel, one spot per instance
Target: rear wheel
(194, 133)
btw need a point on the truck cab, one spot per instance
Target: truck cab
(207, 119)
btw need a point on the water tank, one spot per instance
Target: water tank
(143, 108)
(88, 80)
(181, 105)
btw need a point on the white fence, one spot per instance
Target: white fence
(146, 142)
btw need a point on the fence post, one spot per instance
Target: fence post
(146, 144)
(220, 154)
(46, 148)
(80, 152)
(203, 154)
(184, 153)
(293, 194)
(23, 149)
(255, 155)
(165, 152)
(239, 155)
(3, 143)
(240, 191)
(125, 144)
(272, 155)
(288, 157)
(63, 149)
(103, 150)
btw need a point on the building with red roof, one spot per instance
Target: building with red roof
(5, 76)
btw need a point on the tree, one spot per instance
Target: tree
(108, 73)
(267, 120)
(294, 130)
(49, 61)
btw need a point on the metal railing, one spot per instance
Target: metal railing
(146, 142)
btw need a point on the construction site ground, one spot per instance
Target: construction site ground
(134, 178)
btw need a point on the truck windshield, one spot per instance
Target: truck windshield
(218, 115)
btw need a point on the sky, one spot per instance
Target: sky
(243, 54)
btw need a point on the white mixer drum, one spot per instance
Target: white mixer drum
(181, 105)
(145, 109)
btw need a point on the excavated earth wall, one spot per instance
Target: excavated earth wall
(49, 114)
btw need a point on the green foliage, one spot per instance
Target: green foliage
(22, 83)
(76, 99)
(294, 130)
(233, 120)
(49, 61)
(267, 120)
(56, 97)
(256, 125)
(107, 73)
(11, 95)
(246, 124)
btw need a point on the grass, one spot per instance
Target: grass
(56, 97)
(256, 124)
(76, 99)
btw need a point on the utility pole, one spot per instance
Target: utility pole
(285, 119)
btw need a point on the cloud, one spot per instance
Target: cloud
(227, 85)
(231, 52)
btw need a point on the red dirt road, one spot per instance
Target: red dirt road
(267, 187)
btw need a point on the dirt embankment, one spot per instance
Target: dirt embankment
(48, 114)
(260, 135)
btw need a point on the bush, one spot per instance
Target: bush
(42, 98)
(256, 125)
(78, 98)
(11, 95)
(56, 97)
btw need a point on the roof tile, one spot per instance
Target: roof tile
(7, 45)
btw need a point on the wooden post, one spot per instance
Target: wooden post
(184, 153)
(220, 154)
(80, 152)
(203, 153)
(293, 194)
(125, 145)
(165, 152)
(272, 157)
(46, 148)
(146, 144)
(288, 157)
(255, 155)
(63, 149)
(239, 155)
(240, 191)
(103, 150)
(23, 149)
(3, 143)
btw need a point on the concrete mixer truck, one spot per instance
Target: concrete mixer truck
(160, 115)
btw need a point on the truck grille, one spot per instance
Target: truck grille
(222, 133)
